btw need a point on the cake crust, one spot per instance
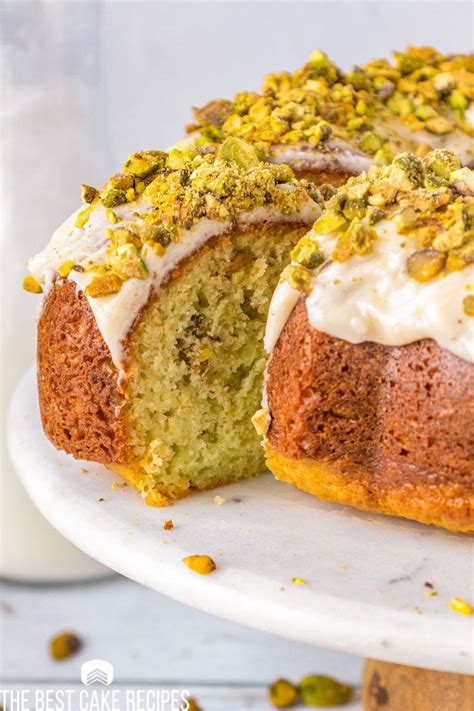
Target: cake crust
(80, 400)
(319, 177)
(381, 428)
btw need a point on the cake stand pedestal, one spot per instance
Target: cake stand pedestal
(395, 687)
(375, 586)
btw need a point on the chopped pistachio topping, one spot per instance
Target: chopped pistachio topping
(111, 216)
(261, 421)
(126, 262)
(425, 264)
(423, 89)
(430, 200)
(299, 278)
(82, 217)
(282, 694)
(468, 305)
(66, 268)
(202, 564)
(104, 285)
(319, 690)
(88, 194)
(220, 185)
(64, 645)
(457, 604)
(32, 285)
(142, 164)
(169, 193)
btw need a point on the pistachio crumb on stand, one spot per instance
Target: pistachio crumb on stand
(64, 645)
(201, 564)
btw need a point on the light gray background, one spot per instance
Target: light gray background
(83, 84)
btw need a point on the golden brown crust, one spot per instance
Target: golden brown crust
(318, 177)
(80, 402)
(381, 428)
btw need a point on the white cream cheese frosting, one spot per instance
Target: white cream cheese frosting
(372, 298)
(116, 313)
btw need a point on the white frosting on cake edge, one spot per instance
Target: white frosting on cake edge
(372, 298)
(115, 314)
(336, 156)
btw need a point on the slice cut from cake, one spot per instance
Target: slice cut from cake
(370, 382)
(156, 292)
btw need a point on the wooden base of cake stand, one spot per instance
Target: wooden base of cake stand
(394, 687)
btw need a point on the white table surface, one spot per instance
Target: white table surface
(151, 641)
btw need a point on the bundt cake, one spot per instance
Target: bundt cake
(369, 388)
(329, 125)
(156, 293)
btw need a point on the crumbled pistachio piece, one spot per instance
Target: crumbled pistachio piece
(462, 181)
(298, 581)
(179, 156)
(318, 133)
(122, 181)
(121, 236)
(127, 262)
(113, 197)
(330, 221)
(371, 143)
(319, 690)
(439, 164)
(425, 264)
(439, 125)
(65, 268)
(282, 694)
(143, 163)
(457, 604)
(357, 239)
(354, 207)
(406, 171)
(308, 253)
(234, 150)
(202, 564)
(82, 217)
(111, 216)
(261, 421)
(64, 645)
(32, 285)
(191, 705)
(407, 219)
(298, 277)
(214, 112)
(375, 214)
(104, 285)
(468, 305)
(88, 194)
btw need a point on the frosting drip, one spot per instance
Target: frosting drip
(372, 298)
(116, 313)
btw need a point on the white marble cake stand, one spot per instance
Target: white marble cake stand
(365, 575)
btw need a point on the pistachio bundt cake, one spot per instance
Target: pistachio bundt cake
(370, 383)
(150, 340)
(329, 125)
